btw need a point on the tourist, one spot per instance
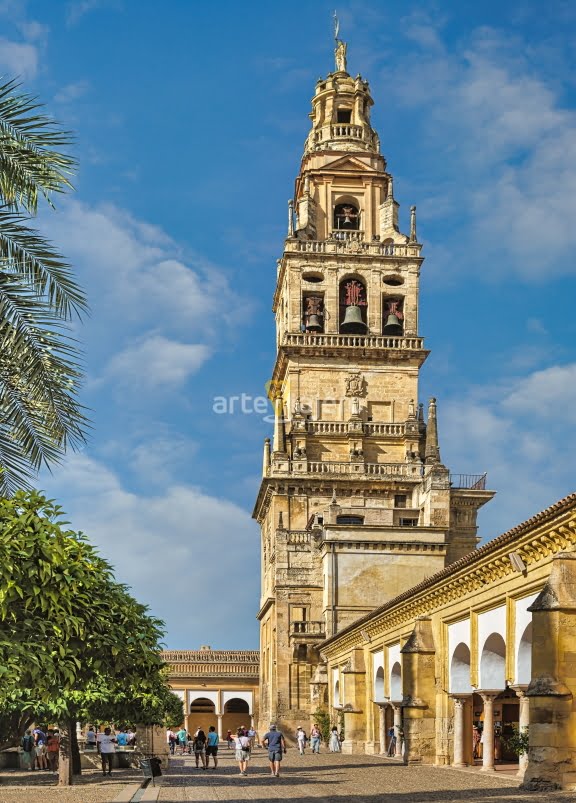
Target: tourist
(242, 750)
(301, 738)
(107, 744)
(122, 738)
(274, 741)
(199, 747)
(171, 740)
(476, 736)
(251, 734)
(212, 746)
(334, 744)
(229, 739)
(53, 749)
(392, 741)
(131, 738)
(315, 738)
(27, 745)
(40, 749)
(182, 739)
(91, 738)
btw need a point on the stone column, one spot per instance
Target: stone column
(488, 698)
(398, 730)
(523, 722)
(419, 694)
(459, 730)
(382, 728)
(219, 725)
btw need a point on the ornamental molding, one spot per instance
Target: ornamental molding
(355, 384)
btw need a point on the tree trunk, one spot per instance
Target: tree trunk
(65, 777)
(75, 750)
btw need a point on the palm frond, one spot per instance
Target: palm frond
(23, 250)
(29, 161)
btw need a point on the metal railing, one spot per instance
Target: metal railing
(471, 482)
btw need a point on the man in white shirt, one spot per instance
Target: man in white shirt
(106, 743)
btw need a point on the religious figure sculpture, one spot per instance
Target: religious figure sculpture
(340, 55)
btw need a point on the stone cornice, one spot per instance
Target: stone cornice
(549, 532)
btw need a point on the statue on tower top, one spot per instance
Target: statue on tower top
(340, 49)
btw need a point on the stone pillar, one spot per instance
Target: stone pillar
(459, 730)
(398, 730)
(382, 728)
(523, 723)
(219, 725)
(552, 690)
(355, 699)
(419, 694)
(488, 698)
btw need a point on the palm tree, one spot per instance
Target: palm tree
(40, 372)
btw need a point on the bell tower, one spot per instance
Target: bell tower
(355, 504)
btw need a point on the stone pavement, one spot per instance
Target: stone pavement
(19, 786)
(327, 778)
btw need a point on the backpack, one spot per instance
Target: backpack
(27, 743)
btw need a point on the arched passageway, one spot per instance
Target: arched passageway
(236, 713)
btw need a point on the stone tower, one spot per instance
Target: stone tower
(355, 504)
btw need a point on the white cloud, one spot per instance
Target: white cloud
(71, 92)
(550, 393)
(504, 147)
(18, 59)
(79, 8)
(156, 361)
(177, 550)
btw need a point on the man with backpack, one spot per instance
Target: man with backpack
(27, 745)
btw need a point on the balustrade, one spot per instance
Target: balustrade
(353, 341)
(309, 628)
(339, 244)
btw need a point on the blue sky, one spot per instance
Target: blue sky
(190, 120)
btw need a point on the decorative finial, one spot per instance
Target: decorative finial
(413, 237)
(334, 501)
(340, 49)
(432, 451)
(291, 218)
(390, 189)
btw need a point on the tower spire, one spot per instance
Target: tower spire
(341, 47)
(432, 453)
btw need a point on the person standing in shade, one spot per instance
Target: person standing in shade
(107, 745)
(53, 749)
(274, 741)
(27, 744)
(334, 744)
(242, 750)
(212, 746)
(392, 741)
(91, 738)
(315, 738)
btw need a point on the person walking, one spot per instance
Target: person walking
(334, 744)
(301, 738)
(315, 738)
(242, 751)
(229, 739)
(181, 739)
(199, 747)
(40, 749)
(91, 738)
(107, 744)
(274, 741)
(212, 746)
(171, 740)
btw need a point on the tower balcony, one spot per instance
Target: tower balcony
(307, 630)
(358, 470)
(395, 430)
(343, 241)
(405, 343)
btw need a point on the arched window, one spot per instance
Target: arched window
(202, 705)
(346, 216)
(460, 670)
(396, 682)
(379, 685)
(353, 307)
(524, 660)
(493, 663)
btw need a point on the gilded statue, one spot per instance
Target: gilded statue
(340, 55)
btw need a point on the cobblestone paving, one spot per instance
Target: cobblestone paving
(340, 778)
(18, 786)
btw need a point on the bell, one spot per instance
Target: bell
(347, 219)
(392, 326)
(353, 323)
(313, 323)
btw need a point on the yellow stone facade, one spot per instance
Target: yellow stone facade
(355, 504)
(217, 687)
(490, 639)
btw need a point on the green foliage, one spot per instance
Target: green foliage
(40, 373)
(59, 595)
(518, 743)
(322, 717)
